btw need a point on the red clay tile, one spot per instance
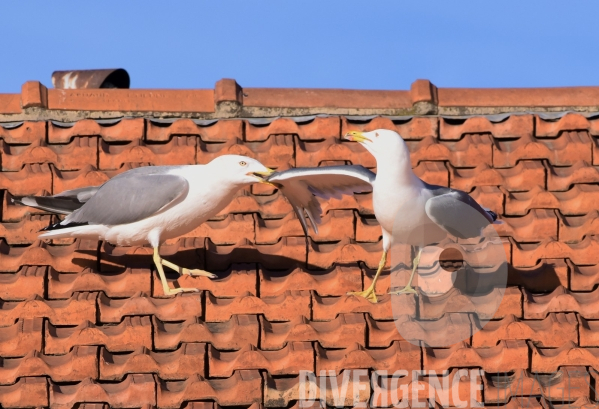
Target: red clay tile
(283, 307)
(220, 131)
(23, 133)
(562, 178)
(382, 334)
(81, 152)
(336, 225)
(325, 255)
(72, 258)
(368, 229)
(12, 212)
(414, 128)
(133, 392)
(337, 280)
(551, 332)
(546, 276)
(471, 151)
(125, 284)
(580, 199)
(81, 362)
(570, 122)
(289, 360)
(126, 129)
(341, 332)
(514, 126)
(26, 392)
(275, 152)
(435, 173)
(286, 253)
(340, 391)
(565, 150)
(529, 254)
(490, 197)
(525, 175)
(180, 150)
(546, 360)
(177, 308)
(28, 180)
(269, 207)
(26, 283)
(180, 364)
(228, 230)
(401, 355)
(495, 304)
(360, 202)
(582, 402)
(582, 278)
(125, 336)
(504, 357)
(528, 228)
(80, 307)
(328, 308)
(20, 338)
(236, 281)
(26, 230)
(566, 384)
(243, 388)
(234, 334)
(312, 154)
(588, 332)
(561, 300)
(316, 129)
(576, 228)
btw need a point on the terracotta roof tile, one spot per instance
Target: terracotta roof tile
(20, 338)
(415, 128)
(26, 132)
(129, 128)
(233, 334)
(314, 153)
(26, 392)
(180, 150)
(525, 175)
(546, 360)
(582, 278)
(539, 305)
(569, 122)
(513, 126)
(80, 152)
(471, 151)
(546, 276)
(328, 308)
(221, 131)
(127, 335)
(26, 230)
(177, 308)
(125, 284)
(28, 282)
(80, 307)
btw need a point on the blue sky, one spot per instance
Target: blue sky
(316, 44)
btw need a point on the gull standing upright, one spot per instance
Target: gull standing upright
(151, 205)
(409, 210)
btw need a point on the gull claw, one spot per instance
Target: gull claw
(368, 294)
(406, 290)
(197, 273)
(174, 291)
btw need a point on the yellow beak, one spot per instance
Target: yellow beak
(356, 136)
(261, 175)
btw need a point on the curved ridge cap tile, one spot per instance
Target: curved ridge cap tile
(180, 364)
(179, 307)
(126, 129)
(338, 333)
(283, 307)
(236, 333)
(289, 360)
(187, 127)
(316, 129)
(243, 388)
(561, 300)
(570, 122)
(328, 308)
(513, 126)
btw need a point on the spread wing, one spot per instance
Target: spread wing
(301, 185)
(457, 212)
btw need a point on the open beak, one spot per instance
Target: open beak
(261, 175)
(356, 136)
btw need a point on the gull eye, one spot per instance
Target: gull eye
(242, 163)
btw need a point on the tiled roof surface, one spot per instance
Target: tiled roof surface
(85, 322)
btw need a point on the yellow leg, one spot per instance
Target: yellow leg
(408, 288)
(370, 293)
(167, 290)
(187, 271)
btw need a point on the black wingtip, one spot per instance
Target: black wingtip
(492, 214)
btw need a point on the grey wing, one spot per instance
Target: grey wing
(301, 185)
(129, 197)
(63, 203)
(457, 212)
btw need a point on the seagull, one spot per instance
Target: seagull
(149, 205)
(409, 210)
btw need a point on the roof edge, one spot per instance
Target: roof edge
(229, 100)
